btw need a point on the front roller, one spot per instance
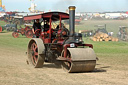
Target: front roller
(79, 60)
(36, 54)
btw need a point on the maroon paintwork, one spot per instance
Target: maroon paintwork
(50, 16)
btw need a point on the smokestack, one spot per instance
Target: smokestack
(72, 20)
(73, 37)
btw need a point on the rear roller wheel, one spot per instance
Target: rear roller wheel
(29, 34)
(77, 63)
(0, 29)
(15, 34)
(36, 54)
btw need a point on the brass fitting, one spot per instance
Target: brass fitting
(72, 8)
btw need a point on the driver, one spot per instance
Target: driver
(46, 26)
(36, 25)
(62, 26)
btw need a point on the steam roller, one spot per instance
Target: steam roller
(61, 46)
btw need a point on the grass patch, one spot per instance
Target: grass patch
(7, 41)
(109, 47)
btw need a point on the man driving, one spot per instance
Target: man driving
(36, 26)
(46, 26)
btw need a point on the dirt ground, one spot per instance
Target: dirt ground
(15, 71)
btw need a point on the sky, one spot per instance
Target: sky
(62, 5)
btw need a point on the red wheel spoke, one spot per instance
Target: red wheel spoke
(33, 46)
(35, 59)
(36, 53)
(35, 49)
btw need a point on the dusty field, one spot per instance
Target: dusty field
(111, 69)
(15, 71)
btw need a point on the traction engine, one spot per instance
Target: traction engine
(27, 31)
(61, 46)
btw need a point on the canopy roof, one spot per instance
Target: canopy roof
(53, 15)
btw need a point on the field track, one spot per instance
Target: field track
(15, 71)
